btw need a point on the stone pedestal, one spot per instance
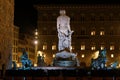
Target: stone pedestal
(65, 59)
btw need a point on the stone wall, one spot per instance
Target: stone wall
(6, 31)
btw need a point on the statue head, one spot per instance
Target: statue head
(62, 12)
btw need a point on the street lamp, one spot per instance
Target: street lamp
(36, 43)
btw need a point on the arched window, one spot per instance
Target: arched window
(82, 18)
(101, 17)
(102, 32)
(111, 31)
(92, 17)
(111, 17)
(83, 31)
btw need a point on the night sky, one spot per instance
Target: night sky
(25, 15)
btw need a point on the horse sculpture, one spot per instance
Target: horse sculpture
(99, 63)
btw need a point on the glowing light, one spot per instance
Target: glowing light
(82, 47)
(36, 33)
(53, 55)
(102, 33)
(45, 47)
(71, 47)
(93, 33)
(95, 55)
(102, 47)
(82, 55)
(36, 42)
(53, 47)
(44, 55)
(18, 65)
(35, 65)
(39, 52)
(112, 55)
(119, 66)
(93, 48)
(111, 47)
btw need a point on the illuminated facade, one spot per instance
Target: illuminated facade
(6, 31)
(15, 44)
(95, 27)
(21, 41)
(27, 42)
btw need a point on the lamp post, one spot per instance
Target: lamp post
(36, 44)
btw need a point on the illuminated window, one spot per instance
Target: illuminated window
(36, 37)
(44, 55)
(72, 48)
(102, 33)
(112, 47)
(53, 47)
(53, 55)
(39, 53)
(93, 48)
(82, 55)
(36, 42)
(102, 47)
(14, 57)
(45, 47)
(18, 65)
(82, 47)
(35, 65)
(112, 55)
(36, 33)
(92, 33)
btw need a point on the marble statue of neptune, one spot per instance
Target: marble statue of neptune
(64, 31)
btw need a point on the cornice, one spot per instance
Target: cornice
(76, 6)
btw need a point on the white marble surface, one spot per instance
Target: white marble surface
(64, 31)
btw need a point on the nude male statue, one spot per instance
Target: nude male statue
(64, 31)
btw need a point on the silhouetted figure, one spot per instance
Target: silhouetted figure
(14, 65)
(3, 71)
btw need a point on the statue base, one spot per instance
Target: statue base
(65, 59)
(65, 63)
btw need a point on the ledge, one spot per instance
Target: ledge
(63, 71)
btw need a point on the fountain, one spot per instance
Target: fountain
(99, 63)
(26, 63)
(64, 57)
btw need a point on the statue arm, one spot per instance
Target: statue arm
(58, 24)
(69, 29)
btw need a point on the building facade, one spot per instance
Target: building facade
(95, 27)
(22, 41)
(6, 31)
(25, 42)
(15, 44)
